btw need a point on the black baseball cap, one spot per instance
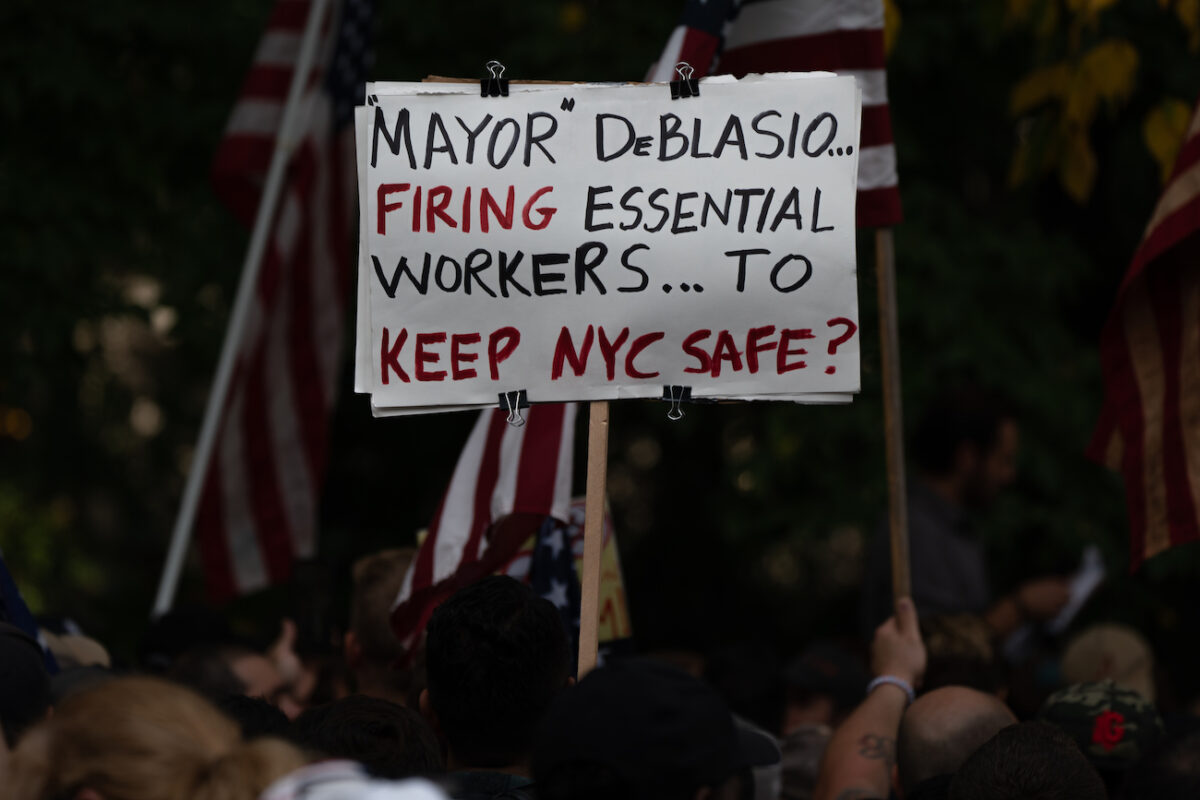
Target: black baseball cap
(659, 729)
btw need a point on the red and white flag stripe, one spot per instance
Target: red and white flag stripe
(1149, 427)
(258, 508)
(503, 470)
(845, 37)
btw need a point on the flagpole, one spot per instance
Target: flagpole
(893, 415)
(285, 144)
(593, 536)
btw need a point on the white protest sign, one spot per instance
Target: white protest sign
(602, 242)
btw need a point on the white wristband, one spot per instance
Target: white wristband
(894, 681)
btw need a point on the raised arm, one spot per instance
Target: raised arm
(858, 761)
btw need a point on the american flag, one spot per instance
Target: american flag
(1149, 427)
(739, 37)
(507, 482)
(259, 504)
(552, 576)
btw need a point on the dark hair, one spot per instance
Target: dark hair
(966, 415)
(208, 670)
(1028, 760)
(179, 631)
(749, 677)
(254, 715)
(1172, 773)
(391, 741)
(963, 670)
(588, 780)
(496, 656)
(960, 652)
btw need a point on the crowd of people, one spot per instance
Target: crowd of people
(489, 707)
(492, 710)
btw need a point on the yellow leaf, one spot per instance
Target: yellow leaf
(891, 25)
(1164, 130)
(1040, 86)
(1077, 166)
(1110, 67)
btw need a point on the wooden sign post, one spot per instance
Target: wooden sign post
(593, 536)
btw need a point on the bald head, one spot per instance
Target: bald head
(942, 728)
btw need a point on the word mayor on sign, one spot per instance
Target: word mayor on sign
(594, 242)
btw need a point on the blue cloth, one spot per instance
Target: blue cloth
(14, 611)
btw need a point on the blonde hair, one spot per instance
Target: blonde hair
(144, 739)
(377, 581)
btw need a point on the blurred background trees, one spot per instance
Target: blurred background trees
(1033, 138)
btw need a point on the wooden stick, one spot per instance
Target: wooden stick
(593, 536)
(893, 415)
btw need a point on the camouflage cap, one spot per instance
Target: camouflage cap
(1113, 726)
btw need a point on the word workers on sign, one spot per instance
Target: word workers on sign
(600, 242)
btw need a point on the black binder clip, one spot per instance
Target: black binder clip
(676, 395)
(496, 85)
(513, 402)
(686, 86)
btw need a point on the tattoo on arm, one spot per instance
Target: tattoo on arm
(878, 748)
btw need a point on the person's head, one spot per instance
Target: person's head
(24, 682)
(391, 741)
(1027, 760)
(941, 729)
(219, 670)
(749, 677)
(178, 631)
(1111, 652)
(824, 684)
(254, 716)
(496, 656)
(143, 739)
(371, 648)
(968, 437)
(960, 653)
(1113, 727)
(1173, 773)
(643, 730)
